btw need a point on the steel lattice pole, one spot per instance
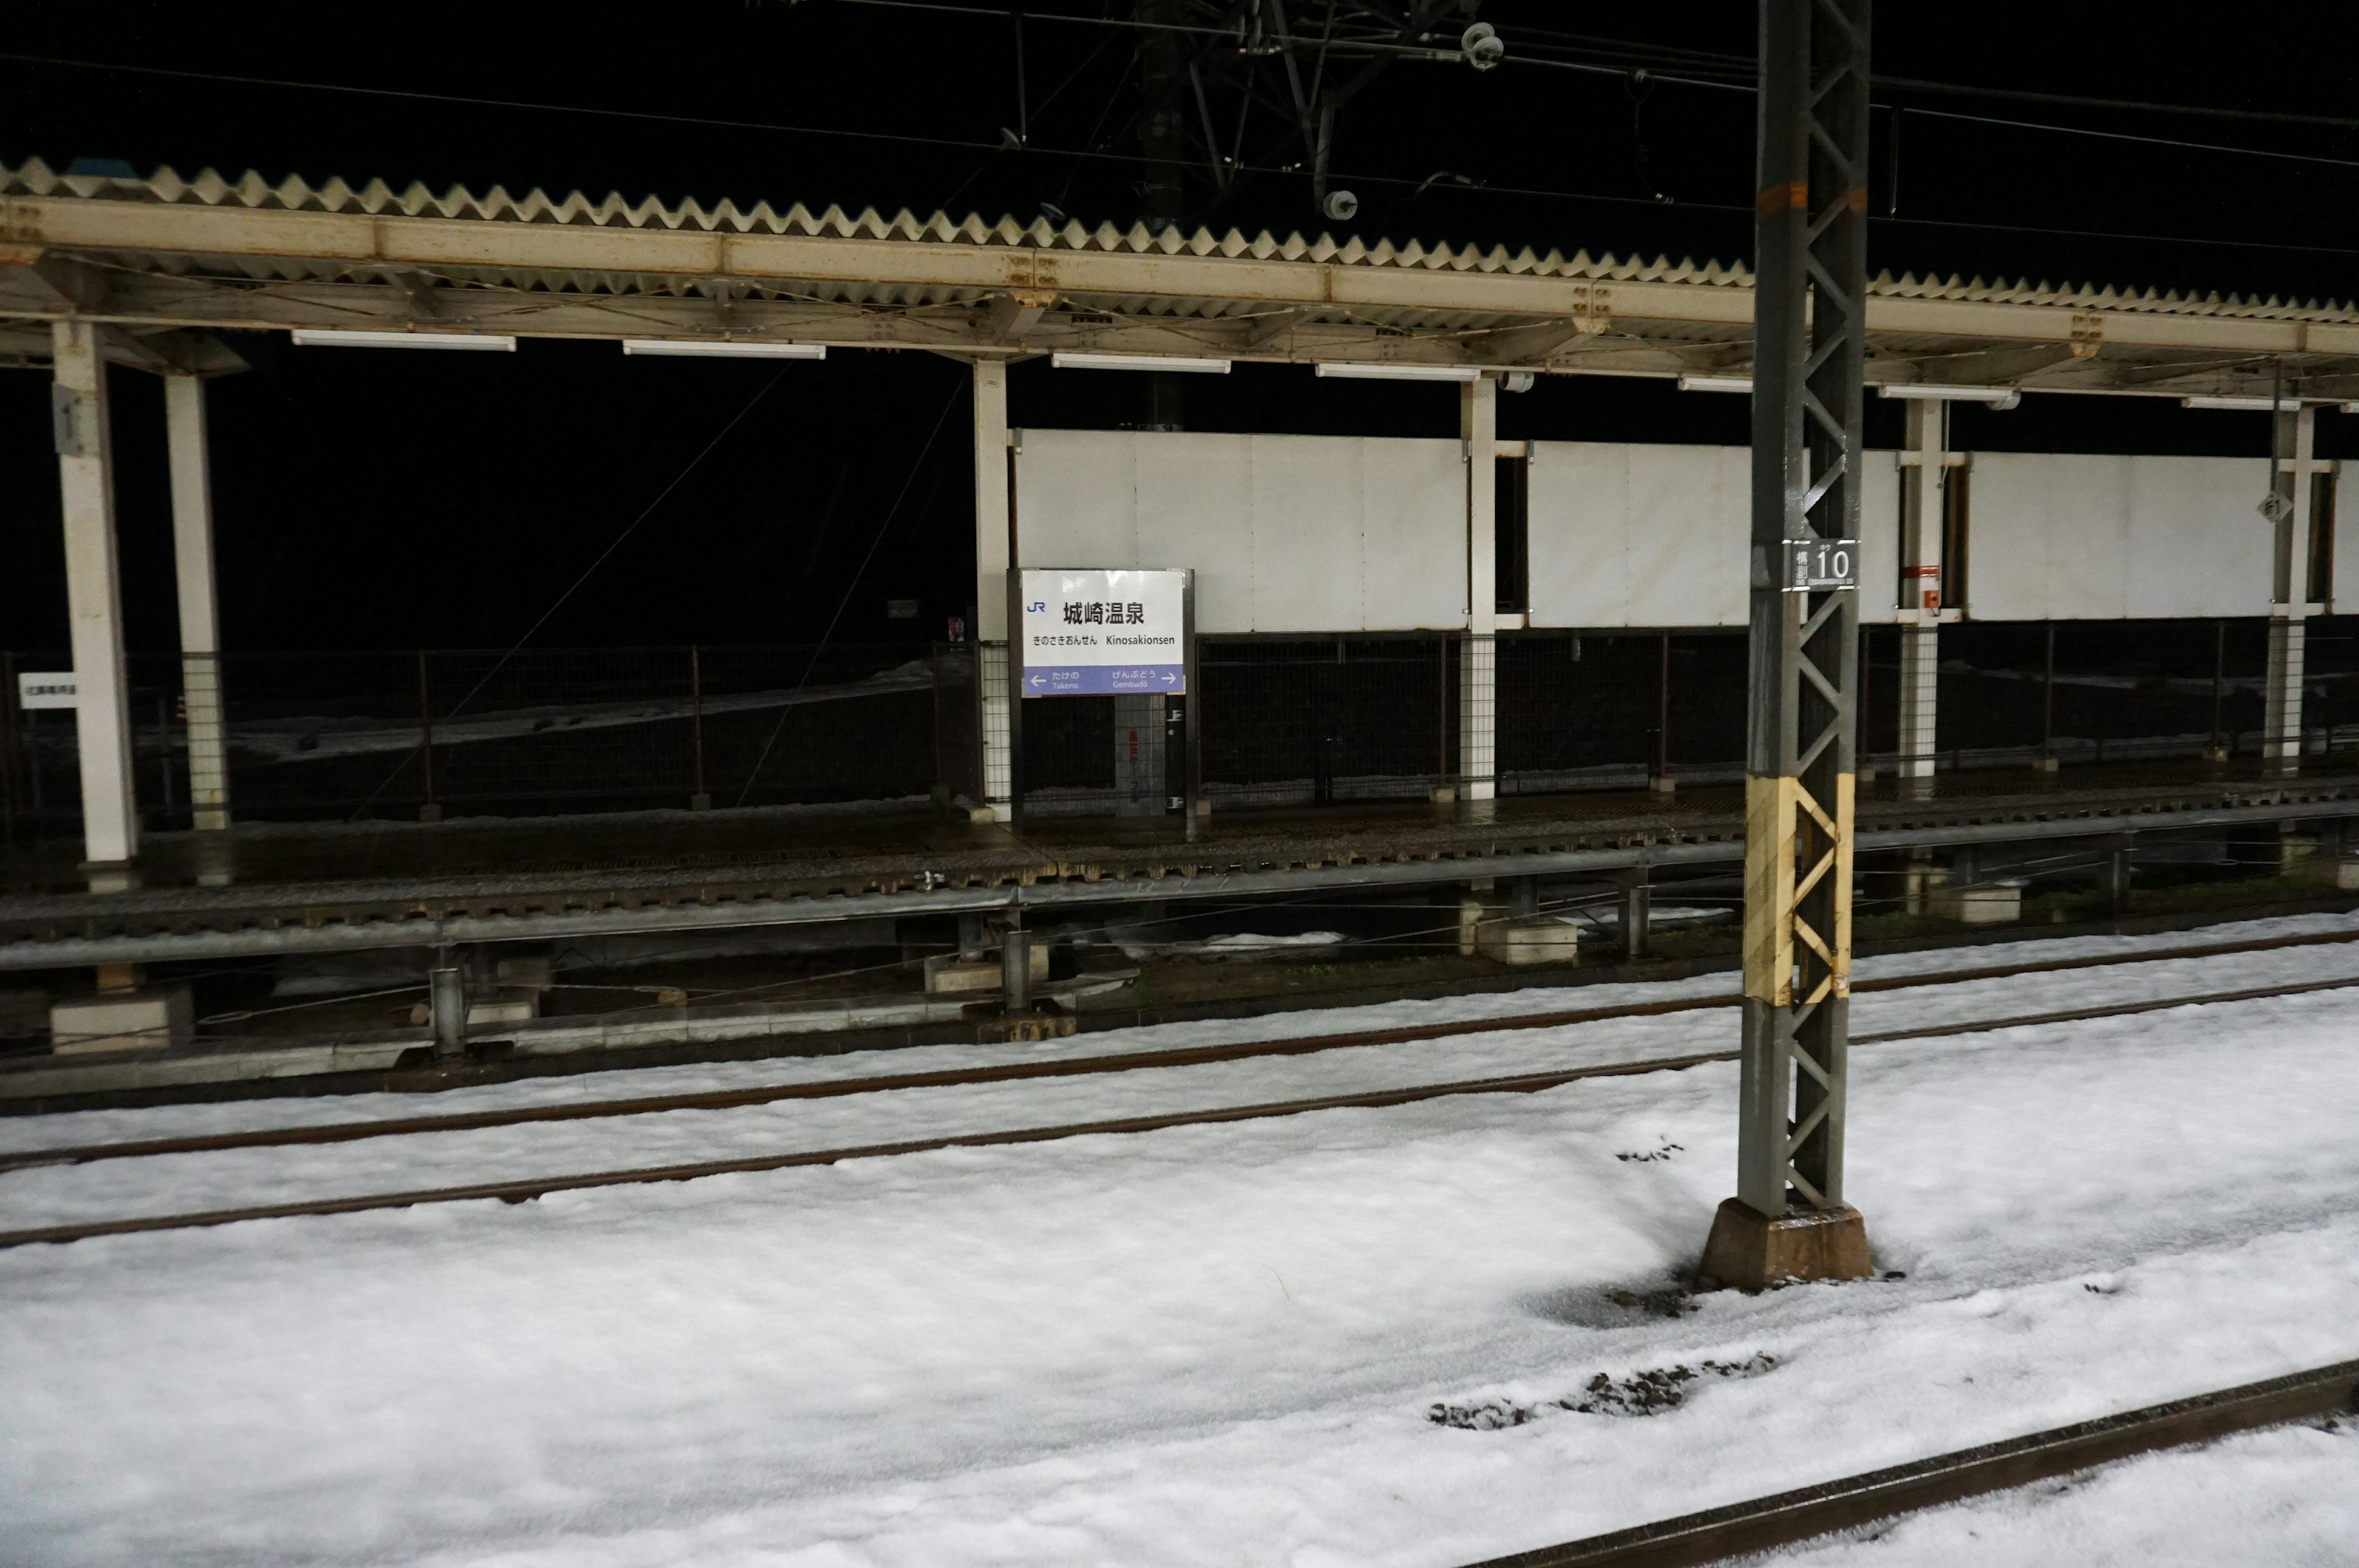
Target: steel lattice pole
(1811, 265)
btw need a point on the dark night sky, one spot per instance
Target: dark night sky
(381, 500)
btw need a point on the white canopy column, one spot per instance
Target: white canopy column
(1478, 427)
(993, 555)
(94, 606)
(1924, 473)
(192, 552)
(2292, 594)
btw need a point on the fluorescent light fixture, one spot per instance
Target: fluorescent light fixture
(340, 338)
(1715, 384)
(1997, 397)
(1401, 372)
(2259, 405)
(719, 349)
(1139, 361)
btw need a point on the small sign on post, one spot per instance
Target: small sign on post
(46, 689)
(1820, 566)
(1093, 633)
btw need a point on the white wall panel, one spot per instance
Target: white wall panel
(1077, 500)
(1661, 535)
(2077, 537)
(1687, 536)
(2009, 523)
(2039, 538)
(1638, 535)
(1580, 502)
(1880, 539)
(2088, 537)
(1413, 538)
(1336, 534)
(1286, 533)
(2196, 546)
(2346, 540)
(1307, 516)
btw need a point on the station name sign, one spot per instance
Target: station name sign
(1089, 633)
(46, 689)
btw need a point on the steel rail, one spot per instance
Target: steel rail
(525, 1189)
(1786, 1518)
(1078, 1067)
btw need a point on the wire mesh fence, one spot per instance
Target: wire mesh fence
(1292, 721)
(1607, 710)
(409, 733)
(1310, 721)
(2083, 692)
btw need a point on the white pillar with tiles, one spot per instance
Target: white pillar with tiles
(992, 559)
(1478, 428)
(110, 812)
(1924, 471)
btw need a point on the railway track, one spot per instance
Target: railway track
(1082, 1066)
(1763, 1524)
(526, 1189)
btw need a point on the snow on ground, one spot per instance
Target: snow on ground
(1698, 1032)
(236, 1178)
(2289, 1498)
(1209, 1345)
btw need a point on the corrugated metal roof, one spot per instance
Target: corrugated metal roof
(497, 205)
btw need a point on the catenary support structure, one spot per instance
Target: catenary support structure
(1789, 1218)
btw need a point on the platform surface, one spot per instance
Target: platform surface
(877, 859)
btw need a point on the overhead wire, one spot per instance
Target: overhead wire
(714, 122)
(883, 528)
(1084, 154)
(1682, 60)
(616, 544)
(2132, 136)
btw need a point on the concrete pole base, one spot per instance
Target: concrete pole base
(1663, 783)
(216, 858)
(1750, 1252)
(110, 876)
(1026, 1028)
(1015, 972)
(446, 1001)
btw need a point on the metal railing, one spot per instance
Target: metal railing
(400, 734)
(1287, 721)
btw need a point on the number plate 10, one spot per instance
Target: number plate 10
(1820, 566)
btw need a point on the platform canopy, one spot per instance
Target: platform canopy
(163, 258)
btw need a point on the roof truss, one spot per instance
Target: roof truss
(151, 264)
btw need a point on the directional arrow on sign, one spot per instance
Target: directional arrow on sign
(1036, 682)
(1169, 679)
